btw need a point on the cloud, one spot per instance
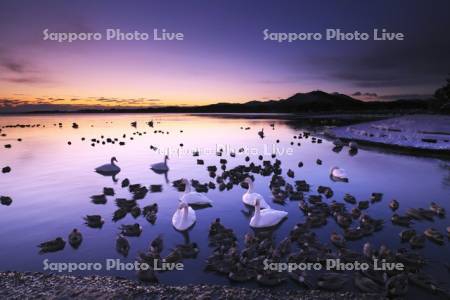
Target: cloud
(389, 97)
(17, 70)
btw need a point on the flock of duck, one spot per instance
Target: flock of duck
(301, 245)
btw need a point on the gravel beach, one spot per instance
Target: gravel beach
(17, 285)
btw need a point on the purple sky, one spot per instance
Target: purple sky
(223, 56)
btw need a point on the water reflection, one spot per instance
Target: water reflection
(53, 186)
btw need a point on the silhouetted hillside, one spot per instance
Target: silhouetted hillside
(316, 101)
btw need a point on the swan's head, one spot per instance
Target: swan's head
(258, 201)
(333, 168)
(166, 157)
(114, 159)
(183, 205)
(248, 180)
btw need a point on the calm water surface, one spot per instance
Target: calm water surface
(51, 183)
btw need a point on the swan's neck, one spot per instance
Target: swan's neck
(112, 161)
(165, 160)
(250, 187)
(185, 212)
(257, 211)
(187, 189)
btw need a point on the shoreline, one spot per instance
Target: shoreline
(20, 285)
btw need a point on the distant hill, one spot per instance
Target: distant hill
(315, 101)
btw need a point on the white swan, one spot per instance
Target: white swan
(338, 174)
(108, 168)
(184, 217)
(267, 217)
(161, 167)
(249, 197)
(193, 198)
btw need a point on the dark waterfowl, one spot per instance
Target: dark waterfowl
(157, 245)
(397, 286)
(401, 220)
(434, 236)
(125, 182)
(126, 204)
(189, 250)
(331, 281)
(135, 211)
(363, 204)
(108, 191)
(53, 245)
(94, 221)
(366, 285)
(131, 230)
(394, 205)
(437, 209)
(407, 234)
(75, 238)
(119, 214)
(4, 200)
(337, 240)
(99, 199)
(122, 245)
(417, 241)
(349, 199)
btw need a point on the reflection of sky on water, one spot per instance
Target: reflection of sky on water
(51, 183)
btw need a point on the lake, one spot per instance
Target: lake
(51, 183)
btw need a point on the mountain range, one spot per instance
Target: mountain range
(315, 101)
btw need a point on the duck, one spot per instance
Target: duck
(157, 245)
(266, 217)
(125, 204)
(437, 209)
(189, 250)
(250, 197)
(331, 281)
(161, 167)
(99, 199)
(349, 198)
(109, 169)
(152, 208)
(407, 234)
(417, 241)
(397, 286)
(174, 256)
(366, 285)
(434, 236)
(193, 198)
(75, 238)
(401, 220)
(53, 245)
(241, 273)
(119, 214)
(122, 245)
(147, 275)
(5, 200)
(338, 174)
(413, 213)
(261, 133)
(94, 221)
(337, 240)
(131, 230)
(135, 212)
(394, 205)
(184, 217)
